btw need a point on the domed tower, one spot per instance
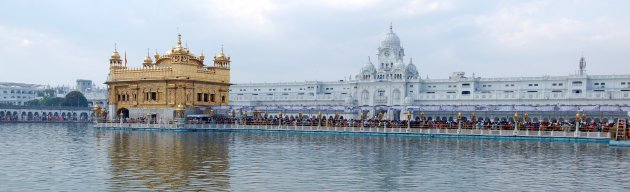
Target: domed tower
(147, 60)
(178, 55)
(368, 71)
(114, 61)
(389, 51)
(221, 60)
(411, 70)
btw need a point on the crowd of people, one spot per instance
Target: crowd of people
(591, 126)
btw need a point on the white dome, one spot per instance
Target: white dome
(391, 39)
(411, 68)
(369, 67)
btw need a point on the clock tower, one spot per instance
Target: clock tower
(390, 52)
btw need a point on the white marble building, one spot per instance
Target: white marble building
(390, 80)
(18, 93)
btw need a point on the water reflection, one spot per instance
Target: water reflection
(295, 162)
(168, 160)
(62, 157)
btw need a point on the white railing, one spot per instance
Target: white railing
(453, 132)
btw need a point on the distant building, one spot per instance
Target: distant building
(93, 94)
(177, 77)
(18, 93)
(84, 85)
(391, 82)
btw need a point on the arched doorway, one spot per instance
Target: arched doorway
(124, 112)
(83, 116)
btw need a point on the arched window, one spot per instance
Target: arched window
(365, 96)
(381, 93)
(396, 95)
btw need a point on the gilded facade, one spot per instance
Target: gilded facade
(177, 77)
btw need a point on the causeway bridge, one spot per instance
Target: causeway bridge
(45, 114)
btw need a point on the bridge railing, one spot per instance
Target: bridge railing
(295, 127)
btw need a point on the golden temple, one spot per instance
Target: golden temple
(176, 78)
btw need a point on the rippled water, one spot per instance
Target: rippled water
(45, 157)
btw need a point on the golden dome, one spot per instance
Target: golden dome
(115, 55)
(221, 55)
(179, 49)
(147, 59)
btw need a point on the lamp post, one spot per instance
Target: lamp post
(362, 115)
(299, 119)
(319, 119)
(515, 118)
(336, 121)
(244, 118)
(459, 122)
(97, 112)
(212, 116)
(422, 118)
(265, 118)
(234, 116)
(380, 118)
(525, 119)
(578, 120)
(408, 119)
(280, 119)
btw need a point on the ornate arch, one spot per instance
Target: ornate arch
(365, 96)
(396, 95)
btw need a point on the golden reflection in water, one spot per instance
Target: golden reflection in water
(168, 161)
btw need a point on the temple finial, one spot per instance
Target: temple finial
(390, 27)
(115, 47)
(221, 48)
(179, 39)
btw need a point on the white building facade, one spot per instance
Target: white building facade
(390, 80)
(18, 93)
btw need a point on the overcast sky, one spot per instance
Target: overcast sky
(57, 42)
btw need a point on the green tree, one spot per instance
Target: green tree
(75, 99)
(34, 102)
(46, 93)
(52, 101)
